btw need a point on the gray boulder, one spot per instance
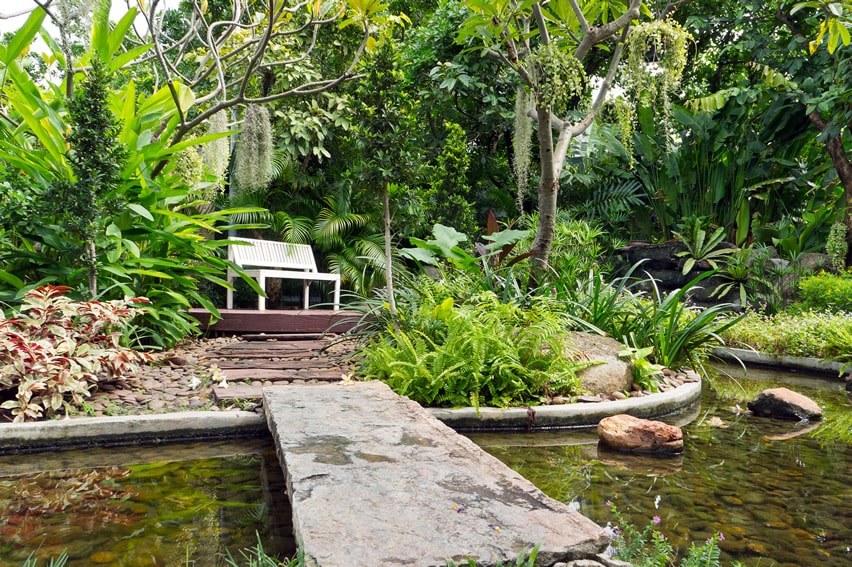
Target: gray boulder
(782, 403)
(608, 373)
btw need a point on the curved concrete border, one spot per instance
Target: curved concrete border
(804, 364)
(193, 425)
(571, 415)
(123, 430)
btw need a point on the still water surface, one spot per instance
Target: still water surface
(186, 504)
(778, 498)
(780, 492)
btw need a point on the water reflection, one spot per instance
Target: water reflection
(170, 505)
(779, 491)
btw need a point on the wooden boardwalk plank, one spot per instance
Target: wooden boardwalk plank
(287, 364)
(273, 346)
(277, 321)
(235, 374)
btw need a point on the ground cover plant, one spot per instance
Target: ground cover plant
(648, 546)
(807, 333)
(55, 351)
(481, 352)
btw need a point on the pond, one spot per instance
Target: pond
(186, 504)
(780, 492)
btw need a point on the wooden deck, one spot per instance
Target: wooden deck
(256, 362)
(283, 321)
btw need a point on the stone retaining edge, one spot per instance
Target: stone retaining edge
(130, 429)
(654, 406)
(191, 425)
(808, 364)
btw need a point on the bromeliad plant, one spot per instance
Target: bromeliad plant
(55, 351)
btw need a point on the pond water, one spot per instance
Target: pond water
(186, 504)
(780, 492)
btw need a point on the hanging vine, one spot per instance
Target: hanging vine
(253, 159)
(215, 154)
(560, 78)
(656, 57)
(623, 112)
(522, 147)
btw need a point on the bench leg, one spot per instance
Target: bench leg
(261, 301)
(306, 290)
(336, 295)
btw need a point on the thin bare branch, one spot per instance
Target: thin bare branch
(602, 33)
(581, 17)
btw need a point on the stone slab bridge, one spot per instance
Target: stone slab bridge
(375, 480)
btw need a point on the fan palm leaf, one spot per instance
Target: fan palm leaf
(336, 219)
(292, 228)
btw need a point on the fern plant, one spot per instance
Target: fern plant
(481, 353)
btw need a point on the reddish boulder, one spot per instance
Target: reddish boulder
(630, 433)
(784, 404)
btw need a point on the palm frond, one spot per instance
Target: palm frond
(295, 229)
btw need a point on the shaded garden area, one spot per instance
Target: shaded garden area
(485, 177)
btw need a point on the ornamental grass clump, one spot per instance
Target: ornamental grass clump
(55, 351)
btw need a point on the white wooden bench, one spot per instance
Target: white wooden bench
(262, 259)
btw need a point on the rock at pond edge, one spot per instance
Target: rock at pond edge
(782, 403)
(629, 433)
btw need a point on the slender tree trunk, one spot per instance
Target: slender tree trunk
(548, 191)
(93, 271)
(389, 256)
(843, 165)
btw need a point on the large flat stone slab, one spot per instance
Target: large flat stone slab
(374, 479)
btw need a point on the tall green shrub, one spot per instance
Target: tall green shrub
(84, 202)
(149, 238)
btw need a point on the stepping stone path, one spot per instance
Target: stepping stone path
(246, 367)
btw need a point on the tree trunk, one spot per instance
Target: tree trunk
(91, 251)
(389, 257)
(843, 166)
(548, 191)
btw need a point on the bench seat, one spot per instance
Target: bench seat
(265, 259)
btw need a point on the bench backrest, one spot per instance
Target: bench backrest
(270, 254)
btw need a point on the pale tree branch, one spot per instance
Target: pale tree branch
(543, 34)
(581, 17)
(599, 34)
(568, 133)
(231, 70)
(673, 7)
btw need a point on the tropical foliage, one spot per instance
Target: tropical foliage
(482, 352)
(55, 351)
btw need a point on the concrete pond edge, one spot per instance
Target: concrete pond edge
(127, 430)
(755, 358)
(578, 415)
(195, 425)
